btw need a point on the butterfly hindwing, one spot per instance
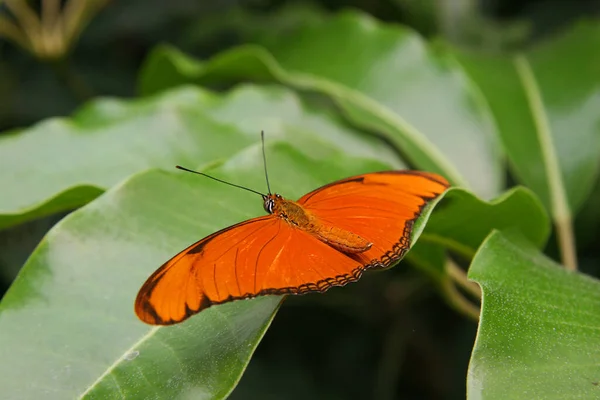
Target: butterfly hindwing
(380, 207)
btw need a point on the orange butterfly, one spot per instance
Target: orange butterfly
(329, 237)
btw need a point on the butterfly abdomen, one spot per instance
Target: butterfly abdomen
(340, 239)
(335, 237)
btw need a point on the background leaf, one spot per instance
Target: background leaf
(563, 74)
(110, 140)
(432, 113)
(538, 334)
(462, 222)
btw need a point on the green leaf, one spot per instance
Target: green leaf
(68, 318)
(109, 140)
(383, 77)
(462, 222)
(538, 333)
(545, 102)
(468, 220)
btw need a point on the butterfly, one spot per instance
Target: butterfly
(328, 237)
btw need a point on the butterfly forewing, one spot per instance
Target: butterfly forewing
(261, 256)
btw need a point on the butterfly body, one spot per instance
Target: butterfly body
(327, 238)
(300, 218)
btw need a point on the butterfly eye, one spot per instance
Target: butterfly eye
(268, 205)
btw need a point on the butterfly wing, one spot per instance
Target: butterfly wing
(264, 255)
(380, 207)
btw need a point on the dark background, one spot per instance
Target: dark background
(387, 335)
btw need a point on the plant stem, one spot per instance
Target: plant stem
(460, 277)
(77, 14)
(27, 19)
(566, 240)
(558, 198)
(453, 245)
(12, 31)
(457, 301)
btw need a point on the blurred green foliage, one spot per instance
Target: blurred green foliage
(490, 94)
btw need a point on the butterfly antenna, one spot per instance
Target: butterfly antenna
(219, 180)
(262, 138)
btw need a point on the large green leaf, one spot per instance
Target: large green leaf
(546, 103)
(462, 222)
(384, 78)
(467, 220)
(68, 318)
(109, 140)
(538, 334)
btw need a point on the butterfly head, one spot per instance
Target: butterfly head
(271, 201)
